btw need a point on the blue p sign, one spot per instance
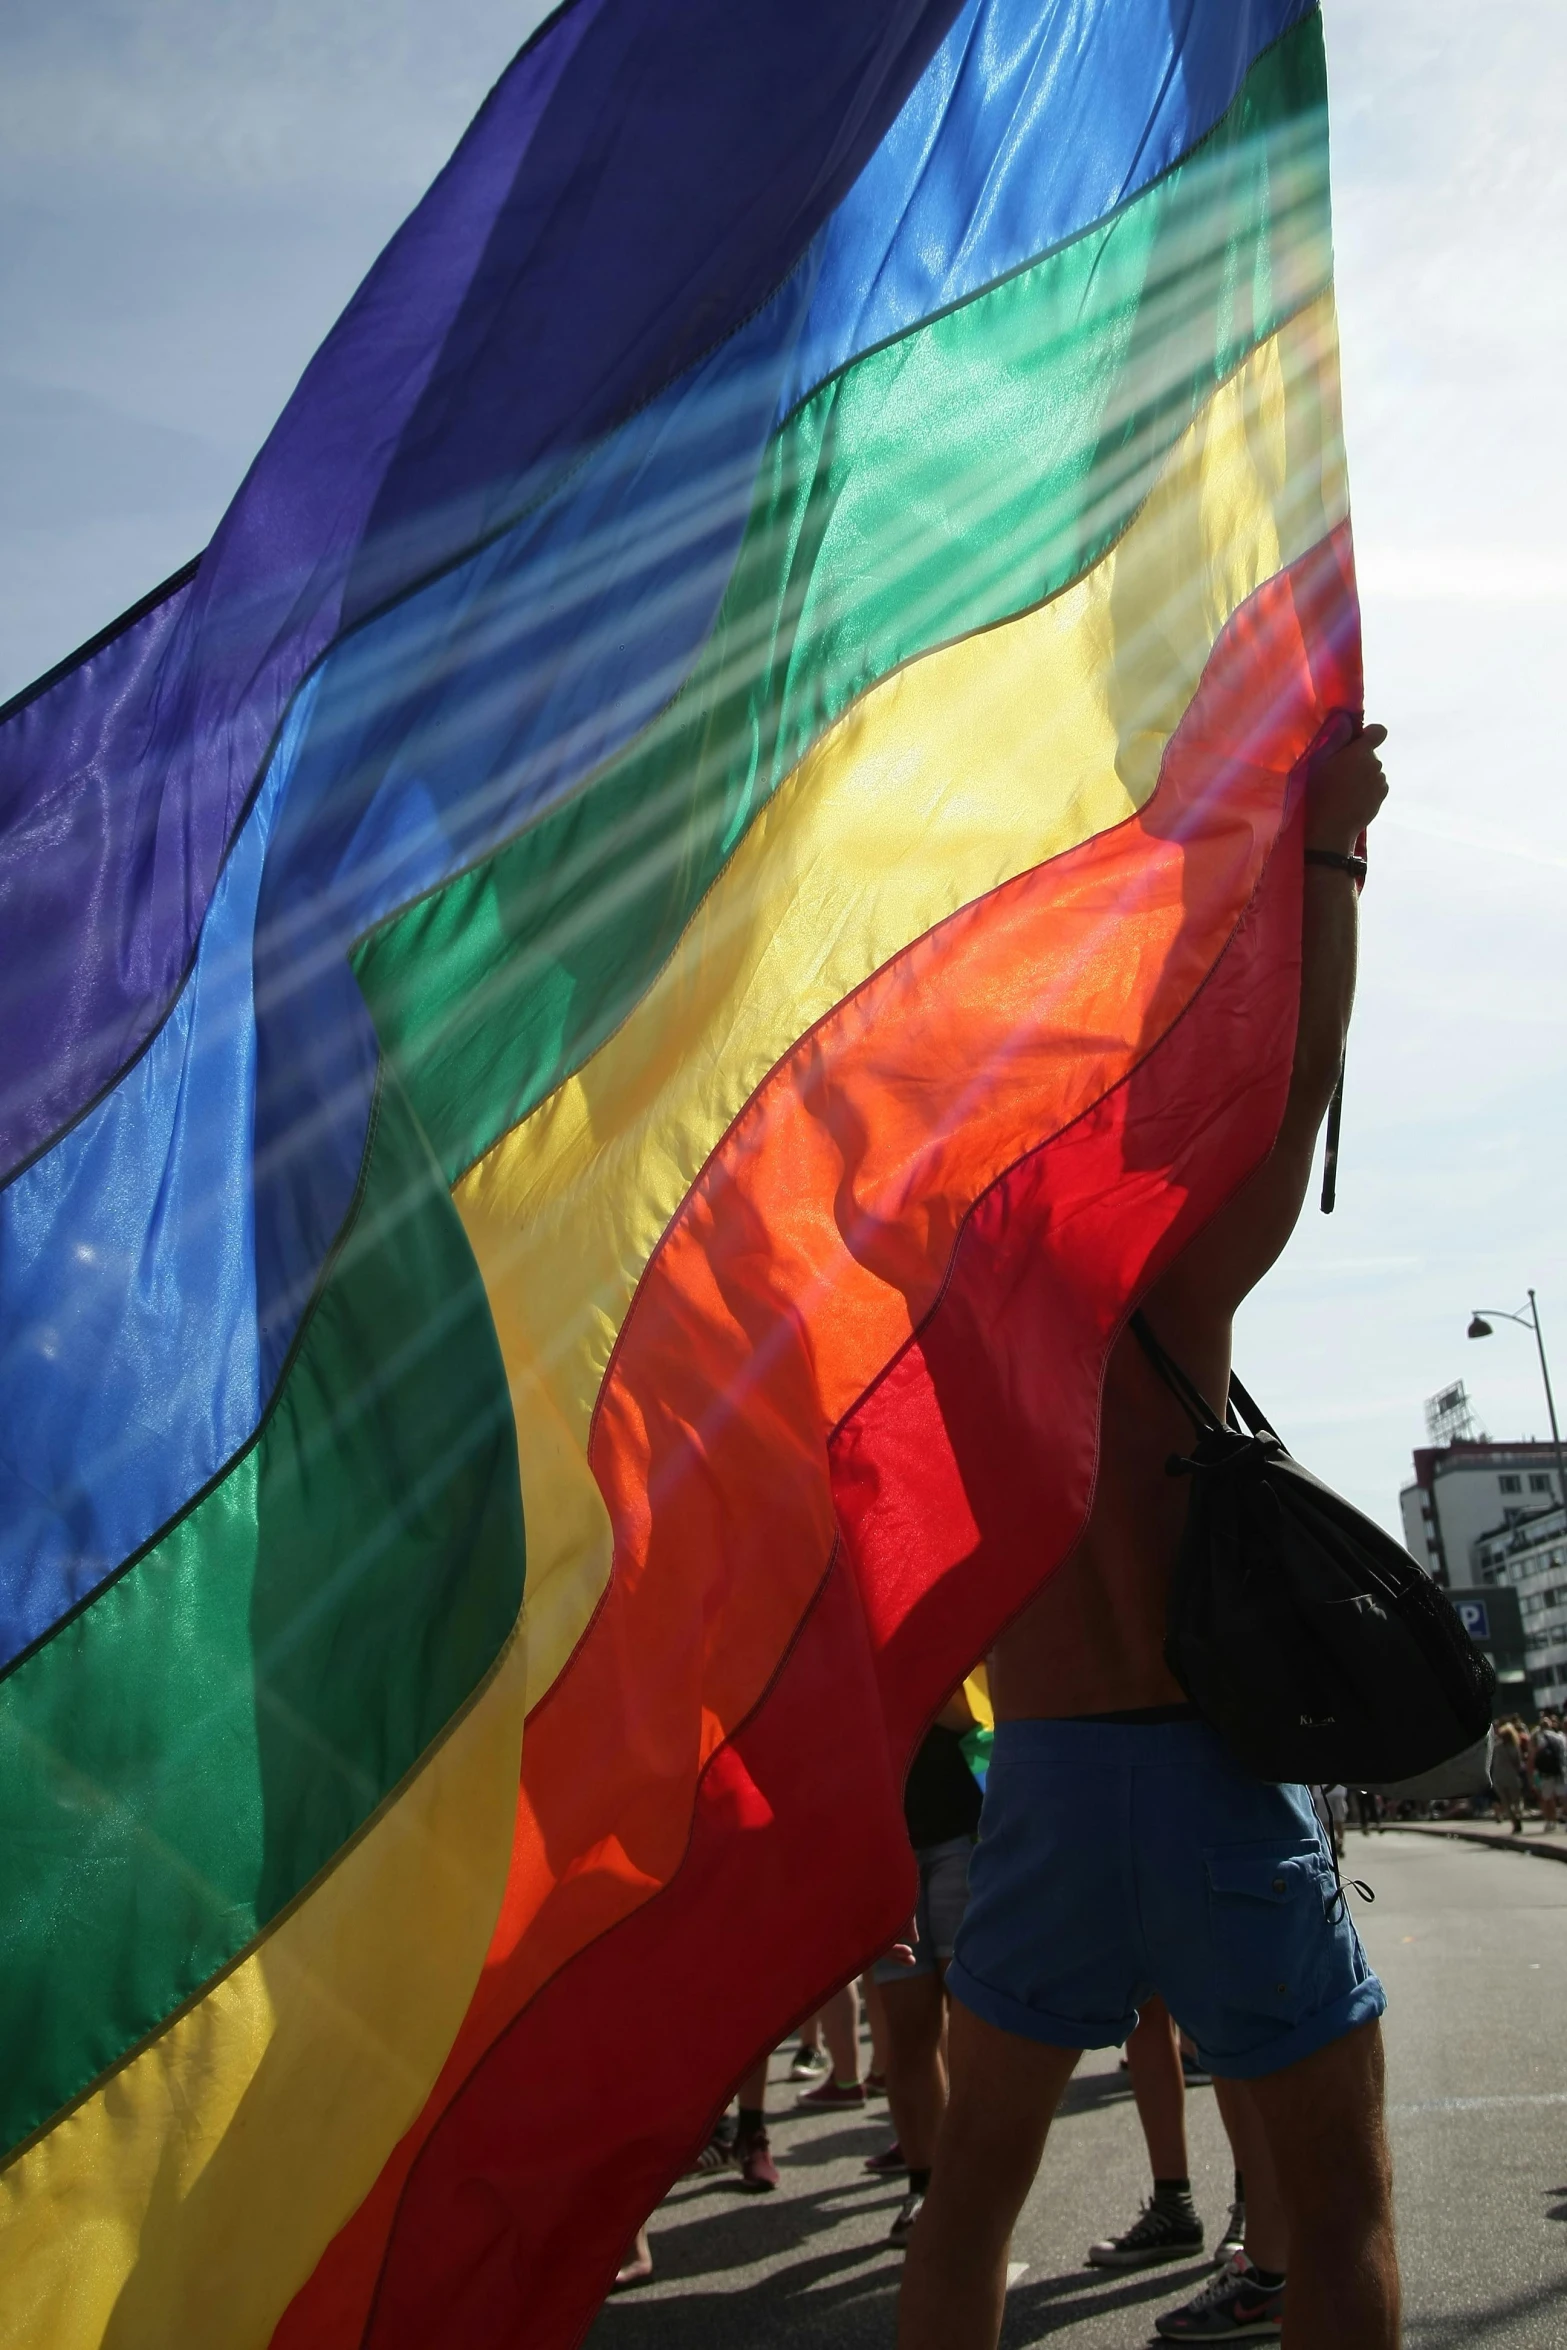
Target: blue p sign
(1475, 1617)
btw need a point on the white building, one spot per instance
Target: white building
(1469, 1490)
(1532, 1557)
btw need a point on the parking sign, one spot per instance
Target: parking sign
(1475, 1617)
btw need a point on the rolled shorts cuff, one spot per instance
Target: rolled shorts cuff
(1361, 2004)
(1033, 2023)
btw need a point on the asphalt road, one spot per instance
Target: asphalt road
(1472, 1945)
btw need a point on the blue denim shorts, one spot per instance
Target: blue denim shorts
(938, 1913)
(1120, 1860)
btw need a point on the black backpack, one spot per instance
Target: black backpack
(1308, 1638)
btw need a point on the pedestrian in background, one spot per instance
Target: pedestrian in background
(1550, 1766)
(1507, 1779)
(941, 1803)
(1168, 2227)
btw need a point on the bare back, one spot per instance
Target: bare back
(1093, 1641)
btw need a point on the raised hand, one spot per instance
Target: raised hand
(1344, 792)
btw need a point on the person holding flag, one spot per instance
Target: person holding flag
(1120, 1845)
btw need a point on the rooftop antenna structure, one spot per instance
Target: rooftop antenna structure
(1450, 1417)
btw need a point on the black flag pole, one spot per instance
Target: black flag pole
(1330, 1151)
(1341, 728)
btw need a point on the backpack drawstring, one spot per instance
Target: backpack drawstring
(1337, 1904)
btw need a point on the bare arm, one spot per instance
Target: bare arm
(1229, 1257)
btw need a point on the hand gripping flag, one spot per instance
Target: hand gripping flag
(697, 890)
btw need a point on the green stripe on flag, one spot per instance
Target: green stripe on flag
(185, 1755)
(956, 476)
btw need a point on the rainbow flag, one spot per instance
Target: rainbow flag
(637, 964)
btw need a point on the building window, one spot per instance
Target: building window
(1539, 1484)
(1510, 1484)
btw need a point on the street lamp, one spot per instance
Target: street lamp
(1479, 1327)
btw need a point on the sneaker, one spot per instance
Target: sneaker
(808, 2064)
(718, 2153)
(1195, 2074)
(888, 2163)
(875, 2084)
(1160, 2234)
(1234, 2308)
(907, 2213)
(758, 2171)
(834, 2092)
(1233, 2239)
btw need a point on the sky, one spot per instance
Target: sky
(190, 190)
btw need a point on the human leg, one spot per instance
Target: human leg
(809, 2062)
(1159, 2086)
(841, 2029)
(1246, 2300)
(876, 2017)
(1257, 1954)
(637, 2266)
(1046, 1962)
(753, 2089)
(916, 2080)
(753, 2153)
(915, 2013)
(1003, 2092)
(842, 2084)
(1167, 2228)
(1267, 2234)
(1323, 2121)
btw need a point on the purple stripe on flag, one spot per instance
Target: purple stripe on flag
(636, 184)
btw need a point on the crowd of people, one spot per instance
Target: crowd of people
(1528, 1768)
(1528, 1776)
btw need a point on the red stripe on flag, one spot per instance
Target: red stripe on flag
(960, 1478)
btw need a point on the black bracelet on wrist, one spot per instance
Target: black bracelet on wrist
(1355, 867)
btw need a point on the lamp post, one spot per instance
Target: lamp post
(1479, 1327)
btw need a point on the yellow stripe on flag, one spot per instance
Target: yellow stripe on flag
(182, 2205)
(968, 767)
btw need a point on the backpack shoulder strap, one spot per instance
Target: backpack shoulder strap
(1191, 1399)
(1253, 1415)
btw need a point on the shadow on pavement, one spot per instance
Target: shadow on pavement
(859, 2138)
(843, 2295)
(720, 2229)
(1093, 2092)
(1038, 2307)
(1478, 2325)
